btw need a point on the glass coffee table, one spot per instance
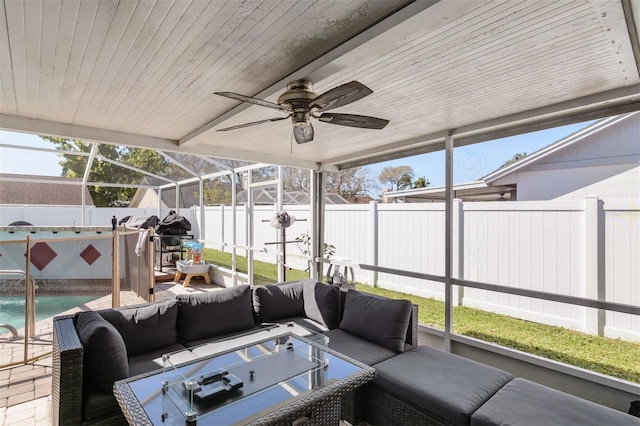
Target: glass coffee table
(285, 379)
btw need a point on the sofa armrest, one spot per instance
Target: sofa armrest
(412, 330)
(66, 397)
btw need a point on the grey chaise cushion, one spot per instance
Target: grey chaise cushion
(214, 313)
(105, 353)
(446, 385)
(145, 328)
(366, 352)
(322, 303)
(152, 360)
(521, 402)
(379, 320)
(278, 301)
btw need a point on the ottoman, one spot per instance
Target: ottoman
(521, 402)
(429, 386)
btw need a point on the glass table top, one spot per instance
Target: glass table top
(241, 384)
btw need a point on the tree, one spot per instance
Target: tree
(296, 179)
(516, 157)
(217, 193)
(354, 184)
(397, 177)
(104, 171)
(421, 182)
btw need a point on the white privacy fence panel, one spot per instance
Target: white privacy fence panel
(69, 215)
(622, 276)
(347, 227)
(583, 248)
(412, 238)
(530, 245)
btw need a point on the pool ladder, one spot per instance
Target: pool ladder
(30, 304)
(12, 329)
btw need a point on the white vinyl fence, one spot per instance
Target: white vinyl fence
(580, 248)
(586, 248)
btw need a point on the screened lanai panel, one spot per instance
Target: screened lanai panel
(198, 165)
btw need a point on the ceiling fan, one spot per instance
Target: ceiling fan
(301, 104)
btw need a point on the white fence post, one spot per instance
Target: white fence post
(373, 231)
(458, 251)
(222, 236)
(594, 263)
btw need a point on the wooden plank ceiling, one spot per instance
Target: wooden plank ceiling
(144, 73)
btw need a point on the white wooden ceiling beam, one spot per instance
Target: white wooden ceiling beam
(50, 128)
(599, 105)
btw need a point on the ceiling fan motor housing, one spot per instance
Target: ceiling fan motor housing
(297, 97)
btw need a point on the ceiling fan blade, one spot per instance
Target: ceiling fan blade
(340, 96)
(251, 100)
(303, 134)
(353, 120)
(240, 126)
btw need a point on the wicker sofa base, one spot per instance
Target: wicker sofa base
(383, 408)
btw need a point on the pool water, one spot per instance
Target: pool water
(12, 307)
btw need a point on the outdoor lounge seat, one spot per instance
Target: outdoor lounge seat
(429, 386)
(94, 349)
(522, 402)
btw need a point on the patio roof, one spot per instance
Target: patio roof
(144, 74)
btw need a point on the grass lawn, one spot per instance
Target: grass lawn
(614, 357)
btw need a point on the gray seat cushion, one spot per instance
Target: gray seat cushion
(214, 313)
(377, 319)
(446, 385)
(152, 360)
(105, 353)
(145, 328)
(521, 402)
(363, 350)
(99, 405)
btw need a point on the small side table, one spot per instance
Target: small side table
(188, 277)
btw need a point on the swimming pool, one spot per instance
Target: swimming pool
(12, 307)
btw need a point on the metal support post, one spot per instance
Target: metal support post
(448, 259)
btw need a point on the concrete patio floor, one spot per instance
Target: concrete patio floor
(25, 390)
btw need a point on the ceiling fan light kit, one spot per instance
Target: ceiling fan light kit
(301, 103)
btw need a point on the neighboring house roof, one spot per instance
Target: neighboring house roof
(188, 197)
(554, 148)
(477, 190)
(44, 190)
(496, 186)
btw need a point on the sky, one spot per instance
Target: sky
(471, 162)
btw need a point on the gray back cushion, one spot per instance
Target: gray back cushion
(214, 313)
(377, 319)
(278, 301)
(145, 328)
(322, 303)
(105, 354)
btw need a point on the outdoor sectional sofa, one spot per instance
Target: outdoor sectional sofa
(94, 349)
(414, 384)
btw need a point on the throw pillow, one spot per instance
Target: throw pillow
(322, 303)
(278, 301)
(214, 313)
(146, 328)
(105, 354)
(377, 319)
